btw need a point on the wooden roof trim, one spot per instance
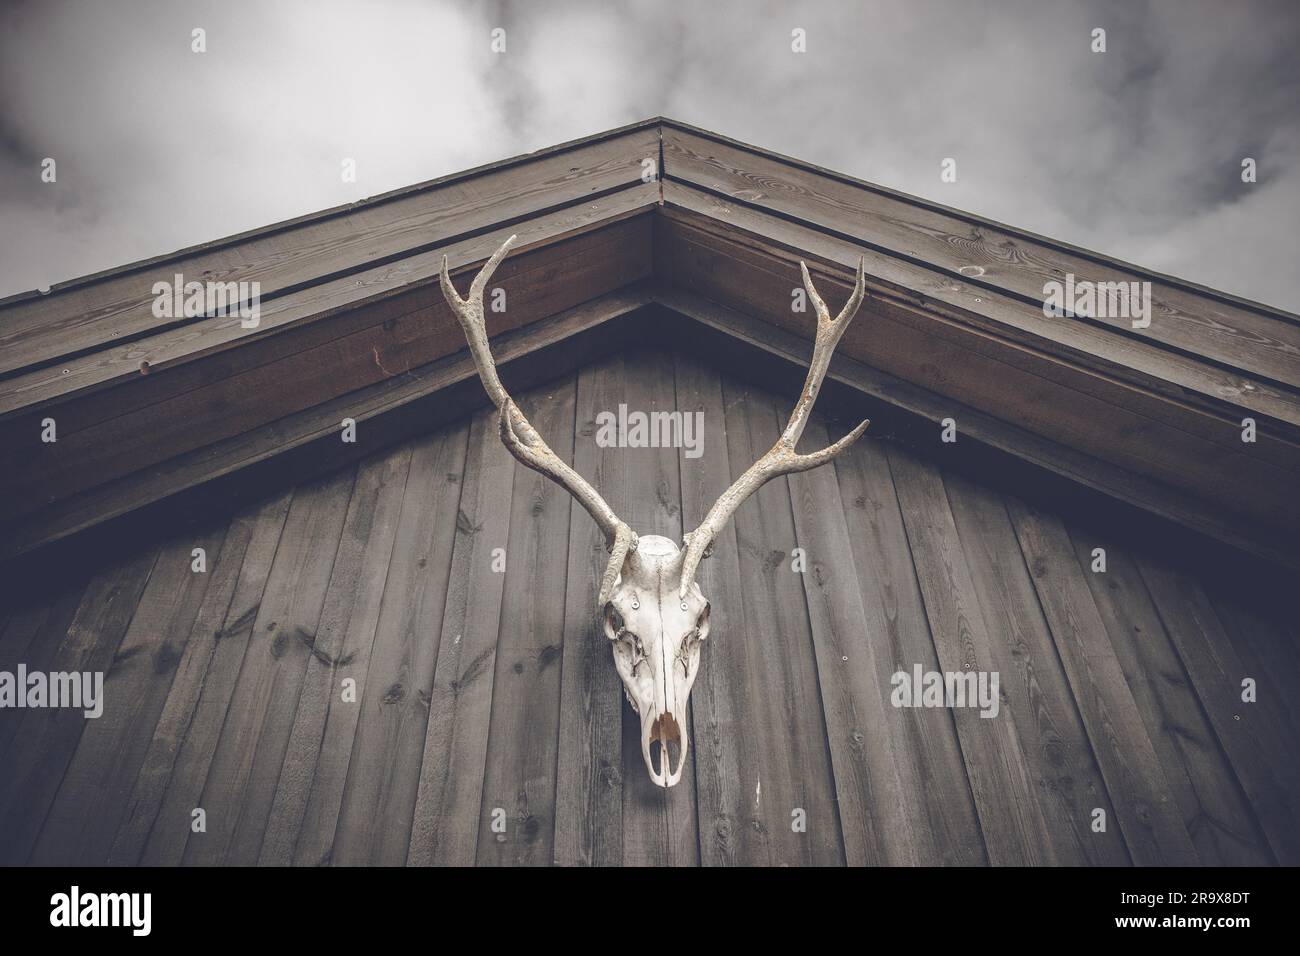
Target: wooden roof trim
(387, 411)
(332, 212)
(1180, 375)
(971, 262)
(92, 317)
(804, 210)
(887, 395)
(137, 427)
(93, 371)
(1138, 271)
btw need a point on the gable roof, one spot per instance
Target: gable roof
(706, 242)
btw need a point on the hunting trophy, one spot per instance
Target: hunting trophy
(652, 609)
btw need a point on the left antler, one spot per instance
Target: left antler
(781, 458)
(517, 432)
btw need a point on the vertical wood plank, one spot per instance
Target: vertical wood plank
(659, 825)
(383, 775)
(1011, 820)
(942, 826)
(1035, 691)
(32, 637)
(1145, 806)
(1257, 744)
(726, 702)
(241, 781)
(871, 795)
(46, 738)
(1267, 652)
(164, 740)
(97, 787)
(310, 790)
(589, 782)
(446, 827)
(1216, 814)
(793, 768)
(185, 741)
(519, 778)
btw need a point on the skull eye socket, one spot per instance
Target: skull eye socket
(693, 637)
(614, 626)
(616, 630)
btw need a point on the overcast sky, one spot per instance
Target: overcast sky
(1135, 152)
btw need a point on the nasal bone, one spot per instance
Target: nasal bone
(665, 730)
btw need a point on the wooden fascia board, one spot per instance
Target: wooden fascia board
(347, 246)
(981, 222)
(170, 258)
(306, 443)
(1193, 448)
(137, 427)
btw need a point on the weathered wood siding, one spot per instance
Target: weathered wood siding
(480, 691)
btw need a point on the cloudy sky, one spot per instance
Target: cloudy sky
(1135, 152)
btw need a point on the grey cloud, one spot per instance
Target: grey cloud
(1135, 152)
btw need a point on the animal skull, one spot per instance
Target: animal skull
(656, 635)
(653, 611)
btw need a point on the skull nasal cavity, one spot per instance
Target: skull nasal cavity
(665, 745)
(665, 729)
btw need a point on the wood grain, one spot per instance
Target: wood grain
(95, 314)
(1255, 340)
(1014, 828)
(1261, 749)
(1144, 803)
(589, 779)
(46, 739)
(1217, 816)
(481, 690)
(245, 768)
(383, 777)
(251, 532)
(519, 776)
(792, 770)
(941, 822)
(305, 810)
(446, 827)
(136, 686)
(1068, 783)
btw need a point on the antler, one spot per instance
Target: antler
(781, 458)
(518, 434)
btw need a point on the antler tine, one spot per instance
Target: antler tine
(781, 458)
(518, 434)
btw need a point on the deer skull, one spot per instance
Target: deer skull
(653, 611)
(655, 634)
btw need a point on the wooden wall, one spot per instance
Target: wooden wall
(1120, 691)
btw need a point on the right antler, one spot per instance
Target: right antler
(518, 434)
(781, 458)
